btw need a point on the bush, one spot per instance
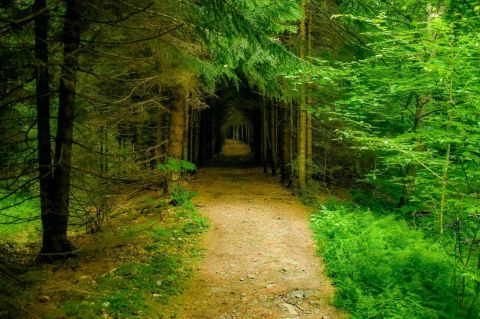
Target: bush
(384, 269)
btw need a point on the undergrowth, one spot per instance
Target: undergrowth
(140, 287)
(382, 268)
(19, 218)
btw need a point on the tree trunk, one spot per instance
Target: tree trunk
(177, 131)
(285, 143)
(186, 133)
(160, 136)
(43, 117)
(196, 138)
(264, 138)
(293, 118)
(192, 135)
(302, 114)
(177, 122)
(43, 101)
(302, 136)
(273, 134)
(309, 146)
(309, 137)
(55, 221)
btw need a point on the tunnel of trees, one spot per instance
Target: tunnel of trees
(101, 98)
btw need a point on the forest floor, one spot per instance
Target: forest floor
(260, 256)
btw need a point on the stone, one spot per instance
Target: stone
(298, 294)
(290, 308)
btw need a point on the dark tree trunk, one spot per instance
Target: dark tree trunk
(257, 135)
(196, 139)
(43, 115)
(273, 139)
(187, 130)
(264, 137)
(286, 143)
(55, 219)
(203, 140)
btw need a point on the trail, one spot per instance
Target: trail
(260, 256)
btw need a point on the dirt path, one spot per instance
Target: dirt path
(260, 257)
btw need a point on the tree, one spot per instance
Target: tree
(55, 172)
(302, 113)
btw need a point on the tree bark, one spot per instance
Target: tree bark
(302, 114)
(160, 136)
(309, 137)
(186, 133)
(177, 131)
(55, 220)
(264, 138)
(43, 116)
(302, 136)
(192, 135)
(309, 147)
(293, 118)
(196, 138)
(285, 174)
(177, 122)
(273, 139)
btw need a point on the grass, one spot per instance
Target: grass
(382, 268)
(141, 287)
(19, 219)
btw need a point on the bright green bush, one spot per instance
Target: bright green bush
(382, 268)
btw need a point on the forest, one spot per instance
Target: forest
(240, 159)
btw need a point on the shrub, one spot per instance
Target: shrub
(384, 269)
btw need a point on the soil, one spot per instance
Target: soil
(260, 257)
